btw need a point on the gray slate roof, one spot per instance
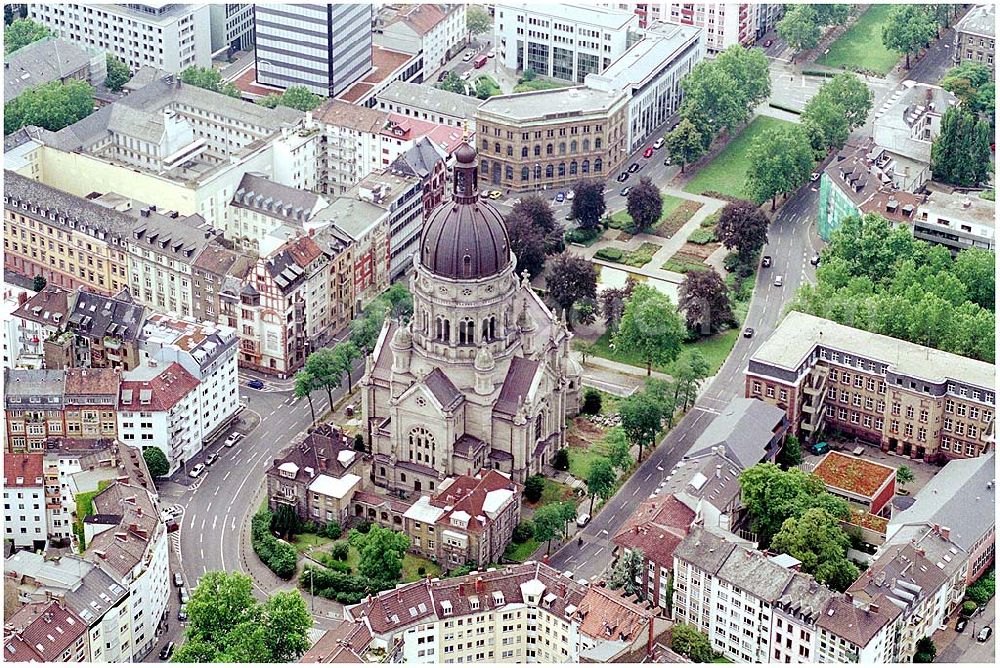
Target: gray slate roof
(962, 497)
(21, 384)
(744, 428)
(980, 20)
(443, 389)
(419, 161)
(705, 549)
(259, 193)
(97, 316)
(41, 62)
(429, 98)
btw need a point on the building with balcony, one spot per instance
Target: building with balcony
(916, 401)
(957, 221)
(34, 400)
(975, 36)
(425, 161)
(37, 319)
(25, 515)
(105, 330)
(722, 24)
(45, 632)
(265, 214)
(90, 400)
(350, 144)
(433, 32)
(907, 125)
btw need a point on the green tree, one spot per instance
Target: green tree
(601, 480)
(704, 299)
(453, 84)
(571, 278)
(567, 513)
(560, 461)
(692, 643)
(534, 486)
(963, 142)
(641, 419)
(477, 20)
(270, 101)
(23, 32)
(853, 95)
(301, 98)
(626, 570)
(381, 554)
(722, 93)
(591, 402)
(344, 354)
(533, 233)
(791, 453)
(976, 268)
(742, 227)
(645, 205)
(548, 524)
(285, 521)
(966, 79)
(219, 603)
(619, 450)
(286, 624)
(326, 370)
(650, 328)
(685, 144)
(908, 29)
(817, 540)
(53, 106)
(780, 161)
(691, 368)
(830, 14)
(305, 384)
(209, 79)
(156, 461)
(926, 651)
(904, 476)
(800, 27)
(588, 203)
(118, 73)
(399, 300)
(38, 283)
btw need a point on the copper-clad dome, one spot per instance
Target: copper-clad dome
(465, 237)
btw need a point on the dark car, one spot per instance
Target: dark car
(167, 650)
(623, 177)
(182, 613)
(625, 191)
(820, 448)
(984, 634)
(768, 43)
(961, 624)
(560, 196)
(255, 384)
(766, 262)
(748, 332)
(633, 168)
(666, 162)
(443, 74)
(211, 459)
(814, 261)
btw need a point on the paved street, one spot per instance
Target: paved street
(965, 648)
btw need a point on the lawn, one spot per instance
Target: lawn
(639, 257)
(521, 551)
(620, 220)
(539, 84)
(861, 47)
(553, 493)
(85, 507)
(682, 265)
(493, 86)
(585, 444)
(306, 542)
(726, 172)
(411, 566)
(714, 349)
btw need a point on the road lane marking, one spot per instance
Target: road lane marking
(233, 525)
(202, 525)
(226, 476)
(214, 520)
(599, 551)
(648, 476)
(217, 488)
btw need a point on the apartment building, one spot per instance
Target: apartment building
(14, 299)
(427, 162)
(913, 400)
(159, 407)
(90, 397)
(325, 48)
(188, 145)
(564, 41)
(957, 221)
(350, 144)
(45, 632)
(520, 613)
(232, 26)
(25, 516)
(906, 126)
(650, 72)
(470, 519)
(38, 318)
(74, 466)
(426, 103)
(48, 60)
(434, 32)
(33, 403)
(264, 214)
(551, 139)
(170, 37)
(975, 36)
(722, 23)
(958, 503)
(101, 332)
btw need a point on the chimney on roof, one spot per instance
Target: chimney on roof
(480, 585)
(562, 590)
(22, 297)
(945, 532)
(461, 589)
(873, 608)
(849, 597)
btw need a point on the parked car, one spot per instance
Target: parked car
(633, 168)
(560, 196)
(779, 280)
(182, 593)
(255, 384)
(814, 176)
(648, 153)
(768, 43)
(491, 54)
(814, 260)
(820, 448)
(211, 459)
(960, 625)
(178, 580)
(623, 177)
(570, 195)
(167, 651)
(582, 520)
(233, 439)
(984, 634)
(625, 191)
(469, 55)
(442, 75)
(182, 613)
(748, 332)
(766, 262)
(666, 162)
(196, 471)
(465, 75)
(658, 144)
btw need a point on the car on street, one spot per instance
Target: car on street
(768, 43)
(748, 333)
(469, 55)
(674, 126)
(648, 153)
(779, 280)
(766, 262)
(495, 194)
(196, 471)
(570, 195)
(178, 580)
(582, 520)
(623, 177)
(211, 459)
(233, 439)
(569, 216)
(491, 54)
(442, 75)
(167, 651)
(666, 162)
(465, 75)
(182, 613)
(625, 191)
(820, 448)
(560, 196)
(984, 634)
(182, 594)
(814, 176)
(255, 384)
(658, 144)
(960, 625)
(814, 260)
(633, 168)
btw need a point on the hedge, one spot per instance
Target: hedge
(702, 236)
(279, 557)
(775, 105)
(819, 73)
(341, 587)
(610, 254)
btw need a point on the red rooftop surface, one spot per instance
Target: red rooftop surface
(858, 480)
(247, 83)
(23, 470)
(165, 390)
(384, 64)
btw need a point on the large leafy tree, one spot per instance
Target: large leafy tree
(966, 79)
(301, 98)
(645, 205)
(156, 461)
(285, 622)
(742, 227)
(22, 33)
(780, 161)
(453, 84)
(477, 19)
(325, 368)
(800, 27)
(976, 269)
(817, 540)
(305, 384)
(650, 328)
(533, 233)
(722, 93)
(53, 106)
(619, 451)
(209, 79)
(685, 143)
(839, 106)
(625, 572)
(343, 355)
(600, 480)
(588, 203)
(690, 369)
(961, 154)
(571, 279)
(548, 524)
(641, 420)
(908, 29)
(692, 643)
(704, 299)
(118, 72)
(381, 554)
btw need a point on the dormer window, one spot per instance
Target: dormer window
(474, 602)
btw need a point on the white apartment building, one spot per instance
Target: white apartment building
(958, 221)
(232, 26)
(428, 104)
(35, 320)
(263, 213)
(13, 299)
(434, 31)
(723, 23)
(170, 37)
(25, 518)
(70, 469)
(561, 41)
(651, 72)
(350, 145)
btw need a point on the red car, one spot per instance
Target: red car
(648, 152)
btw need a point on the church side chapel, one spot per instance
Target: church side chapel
(481, 376)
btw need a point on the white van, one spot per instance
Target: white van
(583, 520)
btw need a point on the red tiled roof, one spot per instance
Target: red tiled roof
(384, 63)
(468, 494)
(45, 631)
(92, 381)
(421, 18)
(166, 389)
(657, 527)
(343, 643)
(49, 302)
(26, 467)
(853, 474)
(446, 137)
(304, 250)
(607, 616)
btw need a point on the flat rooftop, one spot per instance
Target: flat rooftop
(551, 104)
(853, 474)
(646, 58)
(799, 333)
(969, 207)
(385, 62)
(428, 98)
(581, 14)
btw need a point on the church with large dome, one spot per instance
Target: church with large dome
(481, 375)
